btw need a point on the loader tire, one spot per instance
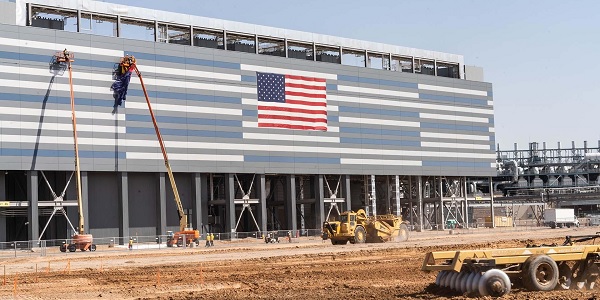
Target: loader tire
(540, 273)
(360, 235)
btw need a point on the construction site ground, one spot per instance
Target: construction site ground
(306, 268)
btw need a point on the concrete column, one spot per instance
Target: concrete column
(161, 205)
(199, 202)
(347, 192)
(319, 202)
(124, 207)
(492, 202)
(420, 195)
(290, 210)
(33, 228)
(262, 215)
(441, 191)
(397, 195)
(229, 204)
(410, 202)
(466, 192)
(85, 201)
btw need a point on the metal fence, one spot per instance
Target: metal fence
(159, 242)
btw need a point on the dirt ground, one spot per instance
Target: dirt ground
(307, 268)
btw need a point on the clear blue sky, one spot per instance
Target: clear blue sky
(540, 56)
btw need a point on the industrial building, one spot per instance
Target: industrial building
(395, 129)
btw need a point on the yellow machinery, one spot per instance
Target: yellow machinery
(357, 227)
(128, 64)
(536, 268)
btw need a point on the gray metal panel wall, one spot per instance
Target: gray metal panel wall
(378, 121)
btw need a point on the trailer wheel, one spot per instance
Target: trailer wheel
(565, 277)
(494, 283)
(360, 236)
(540, 273)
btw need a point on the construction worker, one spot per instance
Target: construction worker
(130, 244)
(207, 240)
(212, 239)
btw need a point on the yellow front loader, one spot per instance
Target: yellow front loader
(357, 228)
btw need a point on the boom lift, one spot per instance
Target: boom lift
(128, 63)
(80, 240)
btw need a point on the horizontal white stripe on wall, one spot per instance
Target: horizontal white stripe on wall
(393, 103)
(184, 108)
(452, 90)
(378, 122)
(38, 112)
(455, 145)
(196, 85)
(363, 90)
(386, 162)
(60, 47)
(184, 156)
(61, 127)
(454, 118)
(287, 71)
(455, 136)
(492, 129)
(56, 86)
(152, 70)
(243, 147)
(291, 137)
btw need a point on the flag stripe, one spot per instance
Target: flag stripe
(289, 126)
(304, 78)
(303, 119)
(290, 109)
(304, 94)
(305, 86)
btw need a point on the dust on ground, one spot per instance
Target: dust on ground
(305, 268)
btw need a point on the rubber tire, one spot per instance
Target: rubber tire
(529, 273)
(71, 248)
(92, 247)
(360, 235)
(564, 271)
(491, 277)
(63, 248)
(402, 233)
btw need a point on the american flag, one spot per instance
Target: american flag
(294, 102)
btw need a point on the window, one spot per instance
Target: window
(378, 61)
(54, 18)
(271, 47)
(353, 58)
(402, 64)
(98, 24)
(208, 39)
(241, 43)
(300, 51)
(173, 34)
(447, 70)
(328, 54)
(423, 66)
(137, 29)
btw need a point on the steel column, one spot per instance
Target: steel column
(161, 205)
(347, 192)
(32, 209)
(124, 207)
(420, 195)
(85, 200)
(229, 203)
(441, 212)
(290, 210)
(466, 192)
(492, 202)
(319, 202)
(263, 202)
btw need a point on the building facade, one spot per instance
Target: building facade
(393, 120)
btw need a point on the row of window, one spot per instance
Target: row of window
(115, 26)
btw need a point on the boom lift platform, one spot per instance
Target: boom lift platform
(80, 240)
(128, 64)
(537, 268)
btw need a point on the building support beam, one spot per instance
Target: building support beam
(420, 196)
(124, 207)
(290, 207)
(85, 200)
(3, 236)
(347, 192)
(200, 202)
(319, 202)
(492, 202)
(441, 212)
(262, 191)
(465, 193)
(229, 202)
(33, 229)
(161, 205)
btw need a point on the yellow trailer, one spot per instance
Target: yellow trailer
(539, 268)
